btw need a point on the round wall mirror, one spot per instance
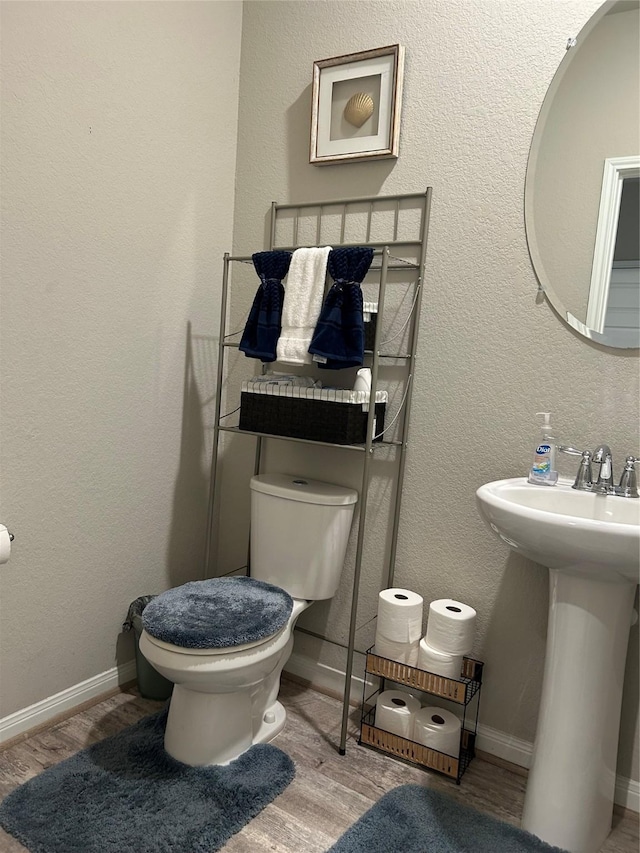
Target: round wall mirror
(581, 188)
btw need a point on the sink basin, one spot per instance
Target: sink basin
(565, 529)
(591, 546)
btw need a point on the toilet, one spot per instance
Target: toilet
(223, 642)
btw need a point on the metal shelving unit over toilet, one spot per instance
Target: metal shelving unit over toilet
(387, 257)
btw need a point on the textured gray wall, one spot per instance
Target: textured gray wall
(489, 357)
(118, 156)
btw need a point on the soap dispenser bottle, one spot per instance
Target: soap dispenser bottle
(543, 471)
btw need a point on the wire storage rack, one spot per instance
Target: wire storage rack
(396, 228)
(460, 691)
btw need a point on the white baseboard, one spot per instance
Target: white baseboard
(492, 741)
(627, 793)
(509, 748)
(41, 712)
(325, 678)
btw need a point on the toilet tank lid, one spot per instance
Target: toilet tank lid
(303, 489)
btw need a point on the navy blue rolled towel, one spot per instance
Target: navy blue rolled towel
(339, 333)
(264, 324)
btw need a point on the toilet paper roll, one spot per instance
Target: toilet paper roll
(442, 663)
(400, 615)
(5, 544)
(402, 652)
(437, 728)
(410, 690)
(395, 712)
(451, 626)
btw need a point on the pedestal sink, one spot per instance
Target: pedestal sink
(591, 546)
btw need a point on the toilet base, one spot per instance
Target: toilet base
(215, 728)
(272, 724)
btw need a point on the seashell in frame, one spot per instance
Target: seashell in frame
(358, 109)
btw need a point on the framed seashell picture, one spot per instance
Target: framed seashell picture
(356, 100)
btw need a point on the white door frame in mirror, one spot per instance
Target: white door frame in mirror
(616, 169)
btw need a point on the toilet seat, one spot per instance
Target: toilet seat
(221, 658)
(220, 650)
(217, 615)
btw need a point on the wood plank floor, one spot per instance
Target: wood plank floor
(329, 792)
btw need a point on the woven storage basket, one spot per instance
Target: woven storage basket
(418, 753)
(460, 690)
(332, 415)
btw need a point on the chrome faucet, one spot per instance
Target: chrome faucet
(628, 487)
(604, 484)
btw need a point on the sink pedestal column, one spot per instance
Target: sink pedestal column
(569, 798)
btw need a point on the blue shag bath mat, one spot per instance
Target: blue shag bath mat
(418, 820)
(126, 793)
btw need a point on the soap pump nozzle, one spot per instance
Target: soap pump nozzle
(546, 424)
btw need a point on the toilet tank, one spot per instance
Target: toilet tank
(299, 533)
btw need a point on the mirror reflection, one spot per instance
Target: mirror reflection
(614, 294)
(581, 192)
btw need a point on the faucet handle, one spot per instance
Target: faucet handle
(584, 477)
(628, 487)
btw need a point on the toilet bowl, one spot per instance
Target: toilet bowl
(224, 700)
(225, 696)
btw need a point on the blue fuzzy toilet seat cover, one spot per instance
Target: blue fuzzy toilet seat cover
(218, 613)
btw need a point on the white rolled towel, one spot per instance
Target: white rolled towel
(303, 295)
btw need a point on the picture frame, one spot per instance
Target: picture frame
(356, 104)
